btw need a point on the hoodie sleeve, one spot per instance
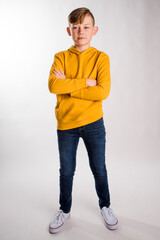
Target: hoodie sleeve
(102, 89)
(63, 86)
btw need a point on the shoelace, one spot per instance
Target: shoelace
(59, 216)
(109, 212)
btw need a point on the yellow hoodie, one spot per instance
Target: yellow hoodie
(77, 104)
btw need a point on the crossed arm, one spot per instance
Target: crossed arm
(60, 74)
(89, 89)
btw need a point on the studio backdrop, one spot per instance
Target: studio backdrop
(31, 33)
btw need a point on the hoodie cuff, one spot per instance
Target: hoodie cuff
(83, 84)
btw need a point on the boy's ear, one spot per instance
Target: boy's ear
(68, 30)
(95, 30)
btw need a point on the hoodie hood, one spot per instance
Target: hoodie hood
(72, 49)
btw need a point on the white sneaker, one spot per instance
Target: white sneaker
(109, 218)
(58, 221)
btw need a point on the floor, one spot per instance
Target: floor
(29, 200)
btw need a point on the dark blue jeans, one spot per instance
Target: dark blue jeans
(94, 137)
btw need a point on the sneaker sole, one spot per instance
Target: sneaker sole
(111, 226)
(56, 230)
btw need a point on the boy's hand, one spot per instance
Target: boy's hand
(91, 82)
(59, 74)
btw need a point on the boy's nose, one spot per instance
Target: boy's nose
(80, 30)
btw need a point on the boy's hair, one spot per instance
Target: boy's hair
(78, 14)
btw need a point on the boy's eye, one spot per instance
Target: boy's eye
(77, 27)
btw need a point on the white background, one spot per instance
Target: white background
(31, 33)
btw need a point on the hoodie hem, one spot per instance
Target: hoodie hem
(70, 125)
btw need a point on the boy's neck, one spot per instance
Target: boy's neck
(81, 48)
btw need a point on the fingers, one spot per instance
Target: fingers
(56, 73)
(55, 70)
(91, 82)
(62, 72)
(59, 74)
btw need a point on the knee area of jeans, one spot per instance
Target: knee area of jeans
(67, 174)
(99, 172)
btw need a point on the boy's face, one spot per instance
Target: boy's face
(82, 33)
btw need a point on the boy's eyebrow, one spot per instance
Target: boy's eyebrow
(84, 24)
(87, 24)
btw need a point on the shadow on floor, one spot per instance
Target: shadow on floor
(128, 229)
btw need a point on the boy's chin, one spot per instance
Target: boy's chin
(81, 43)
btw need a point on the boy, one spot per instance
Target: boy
(80, 78)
